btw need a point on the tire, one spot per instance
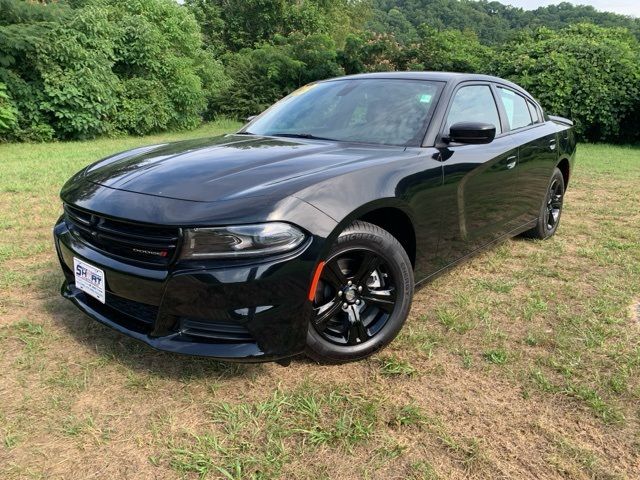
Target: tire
(551, 209)
(363, 296)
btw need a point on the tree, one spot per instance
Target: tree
(493, 22)
(450, 50)
(259, 77)
(161, 66)
(104, 67)
(22, 27)
(8, 111)
(262, 75)
(587, 73)
(446, 50)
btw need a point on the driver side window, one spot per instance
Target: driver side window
(474, 103)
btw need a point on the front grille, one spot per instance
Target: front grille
(220, 331)
(126, 240)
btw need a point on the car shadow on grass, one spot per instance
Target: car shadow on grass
(107, 344)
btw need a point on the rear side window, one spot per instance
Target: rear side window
(473, 103)
(516, 108)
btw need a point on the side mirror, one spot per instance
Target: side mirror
(248, 119)
(475, 133)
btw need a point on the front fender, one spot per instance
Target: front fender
(411, 184)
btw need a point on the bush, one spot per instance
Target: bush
(159, 61)
(265, 74)
(105, 67)
(8, 111)
(74, 62)
(446, 50)
(259, 76)
(450, 50)
(587, 73)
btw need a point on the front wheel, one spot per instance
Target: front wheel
(363, 296)
(549, 216)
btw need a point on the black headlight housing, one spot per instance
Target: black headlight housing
(241, 241)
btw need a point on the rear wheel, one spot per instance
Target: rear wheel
(363, 295)
(549, 217)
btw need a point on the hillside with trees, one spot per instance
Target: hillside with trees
(493, 22)
(84, 68)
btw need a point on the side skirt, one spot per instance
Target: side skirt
(506, 236)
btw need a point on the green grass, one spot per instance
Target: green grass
(308, 418)
(522, 363)
(391, 366)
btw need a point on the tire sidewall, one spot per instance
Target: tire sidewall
(543, 232)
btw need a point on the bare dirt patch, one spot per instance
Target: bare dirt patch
(635, 312)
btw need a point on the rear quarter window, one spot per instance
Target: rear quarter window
(516, 108)
(535, 112)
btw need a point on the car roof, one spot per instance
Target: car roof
(448, 77)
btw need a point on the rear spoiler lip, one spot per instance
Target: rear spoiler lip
(564, 121)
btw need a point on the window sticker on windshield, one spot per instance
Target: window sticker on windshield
(425, 98)
(303, 89)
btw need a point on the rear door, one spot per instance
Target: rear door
(537, 151)
(480, 179)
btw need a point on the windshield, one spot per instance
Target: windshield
(382, 111)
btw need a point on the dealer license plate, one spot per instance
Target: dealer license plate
(89, 279)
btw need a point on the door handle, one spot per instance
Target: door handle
(552, 145)
(511, 162)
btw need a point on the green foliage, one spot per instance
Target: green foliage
(317, 54)
(74, 63)
(452, 50)
(83, 68)
(259, 76)
(7, 110)
(234, 25)
(161, 66)
(23, 26)
(584, 72)
(446, 50)
(262, 75)
(493, 22)
(105, 67)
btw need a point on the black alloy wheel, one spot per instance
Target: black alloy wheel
(363, 295)
(355, 298)
(554, 204)
(551, 210)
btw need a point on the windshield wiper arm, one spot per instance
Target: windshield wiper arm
(301, 135)
(245, 133)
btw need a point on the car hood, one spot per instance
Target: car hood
(230, 166)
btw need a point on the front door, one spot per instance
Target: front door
(480, 180)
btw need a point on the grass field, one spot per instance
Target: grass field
(522, 363)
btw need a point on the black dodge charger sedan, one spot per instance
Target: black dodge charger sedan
(308, 229)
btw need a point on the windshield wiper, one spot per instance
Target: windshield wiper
(301, 135)
(245, 133)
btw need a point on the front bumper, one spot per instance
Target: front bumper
(229, 310)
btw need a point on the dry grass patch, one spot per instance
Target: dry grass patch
(522, 363)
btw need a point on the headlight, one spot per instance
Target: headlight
(241, 241)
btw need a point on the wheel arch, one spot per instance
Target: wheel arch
(389, 214)
(565, 167)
